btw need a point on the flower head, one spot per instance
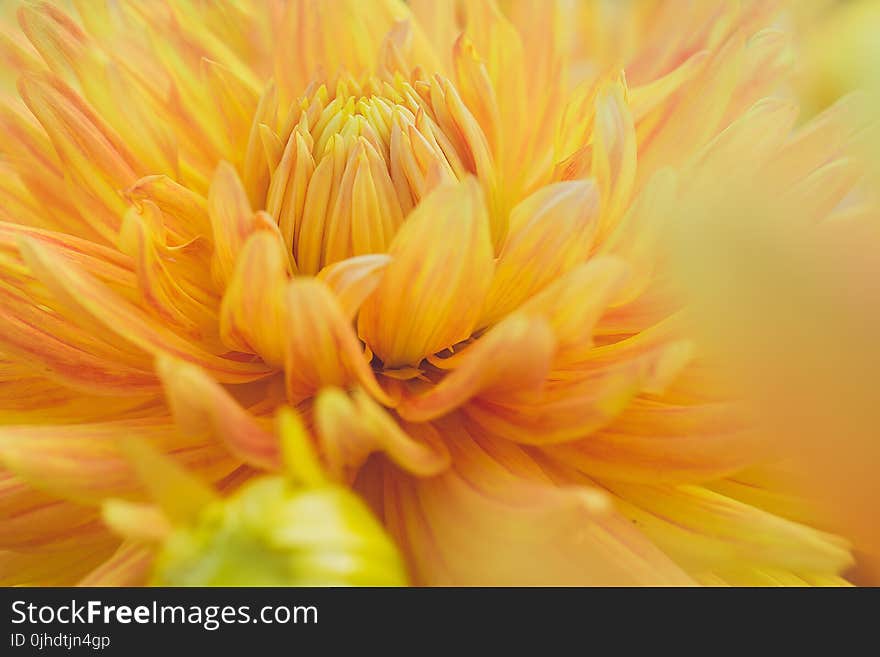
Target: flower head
(432, 230)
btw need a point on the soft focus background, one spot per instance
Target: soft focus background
(792, 307)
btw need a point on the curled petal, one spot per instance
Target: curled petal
(142, 237)
(516, 354)
(232, 220)
(185, 212)
(104, 309)
(252, 314)
(350, 429)
(320, 347)
(354, 279)
(201, 406)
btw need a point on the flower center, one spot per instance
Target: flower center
(356, 161)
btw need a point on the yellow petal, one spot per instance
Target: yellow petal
(232, 220)
(354, 279)
(550, 232)
(201, 407)
(252, 315)
(100, 305)
(704, 529)
(516, 354)
(181, 495)
(484, 521)
(350, 429)
(96, 159)
(128, 566)
(321, 348)
(432, 291)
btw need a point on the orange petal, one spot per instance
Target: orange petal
(252, 314)
(431, 293)
(128, 566)
(65, 567)
(485, 521)
(31, 518)
(567, 409)
(96, 159)
(320, 345)
(232, 220)
(201, 406)
(85, 463)
(185, 212)
(349, 430)
(142, 236)
(354, 279)
(654, 459)
(704, 529)
(550, 232)
(98, 304)
(516, 354)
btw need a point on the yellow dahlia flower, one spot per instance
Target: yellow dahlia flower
(431, 229)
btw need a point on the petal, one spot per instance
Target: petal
(308, 38)
(136, 521)
(142, 237)
(614, 153)
(252, 315)
(95, 158)
(354, 279)
(704, 529)
(550, 232)
(496, 519)
(749, 141)
(181, 496)
(350, 429)
(232, 220)
(652, 459)
(636, 236)
(320, 346)
(185, 212)
(202, 407)
(432, 291)
(516, 355)
(128, 566)
(573, 303)
(63, 568)
(31, 519)
(85, 462)
(571, 408)
(104, 309)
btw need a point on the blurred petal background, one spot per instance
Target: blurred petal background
(786, 288)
